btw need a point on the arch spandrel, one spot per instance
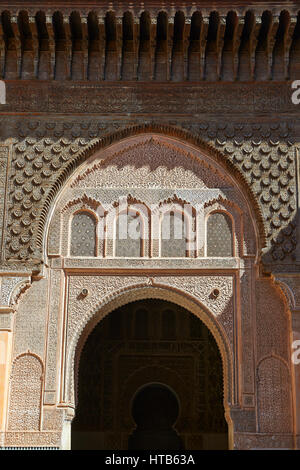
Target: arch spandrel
(116, 291)
(156, 374)
(25, 395)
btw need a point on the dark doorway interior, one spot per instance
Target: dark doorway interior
(128, 354)
(155, 409)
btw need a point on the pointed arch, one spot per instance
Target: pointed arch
(139, 292)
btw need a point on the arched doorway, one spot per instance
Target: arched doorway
(150, 341)
(155, 409)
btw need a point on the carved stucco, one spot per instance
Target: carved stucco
(192, 292)
(145, 169)
(274, 396)
(106, 293)
(262, 157)
(156, 373)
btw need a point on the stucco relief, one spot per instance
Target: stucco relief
(10, 289)
(290, 285)
(105, 293)
(53, 334)
(252, 150)
(6, 321)
(194, 291)
(52, 419)
(205, 135)
(202, 288)
(29, 439)
(31, 318)
(146, 170)
(274, 398)
(25, 395)
(254, 441)
(29, 425)
(247, 332)
(273, 355)
(272, 321)
(152, 162)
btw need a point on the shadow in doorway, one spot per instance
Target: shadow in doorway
(155, 410)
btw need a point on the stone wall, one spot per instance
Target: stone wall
(242, 134)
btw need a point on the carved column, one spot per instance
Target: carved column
(6, 320)
(85, 45)
(4, 168)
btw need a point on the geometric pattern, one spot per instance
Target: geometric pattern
(219, 235)
(83, 235)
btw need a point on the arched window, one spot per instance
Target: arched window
(129, 235)
(173, 235)
(219, 235)
(83, 234)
